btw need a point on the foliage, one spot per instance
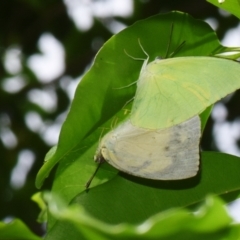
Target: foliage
(105, 201)
(138, 207)
(209, 221)
(16, 230)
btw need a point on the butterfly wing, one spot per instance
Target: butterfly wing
(173, 90)
(166, 154)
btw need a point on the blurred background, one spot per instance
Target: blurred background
(46, 46)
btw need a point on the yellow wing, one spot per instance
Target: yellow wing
(174, 90)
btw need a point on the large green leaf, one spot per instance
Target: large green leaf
(97, 99)
(130, 199)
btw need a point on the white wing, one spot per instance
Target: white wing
(167, 154)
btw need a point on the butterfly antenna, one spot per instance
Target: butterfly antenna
(134, 58)
(139, 42)
(91, 178)
(177, 49)
(169, 42)
(129, 85)
(130, 100)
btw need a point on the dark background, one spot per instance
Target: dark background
(22, 22)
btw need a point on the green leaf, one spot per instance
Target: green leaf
(125, 198)
(97, 104)
(16, 230)
(37, 198)
(50, 153)
(97, 99)
(209, 221)
(231, 6)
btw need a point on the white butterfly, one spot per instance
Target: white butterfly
(163, 154)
